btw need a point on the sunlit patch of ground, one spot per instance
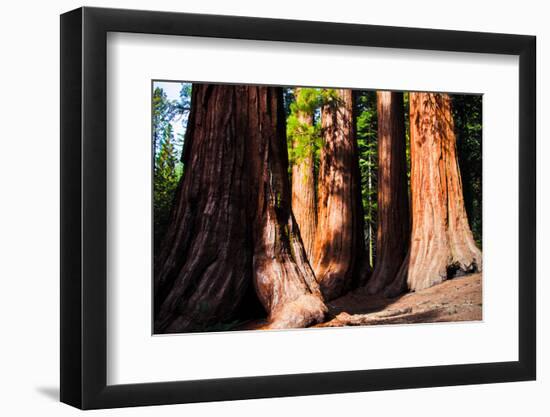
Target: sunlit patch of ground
(458, 299)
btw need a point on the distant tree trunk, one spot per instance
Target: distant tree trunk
(442, 245)
(304, 203)
(339, 245)
(232, 225)
(393, 234)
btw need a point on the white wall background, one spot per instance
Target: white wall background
(29, 213)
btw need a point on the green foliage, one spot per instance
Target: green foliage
(467, 114)
(185, 96)
(288, 99)
(167, 111)
(308, 100)
(367, 143)
(168, 168)
(164, 184)
(303, 138)
(162, 114)
(329, 95)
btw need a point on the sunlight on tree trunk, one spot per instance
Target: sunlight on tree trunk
(232, 225)
(393, 233)
(442, 245)
(339, 246)
(283, 277)
(303, 183)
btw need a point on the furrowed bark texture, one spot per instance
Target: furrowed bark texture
(304, 205)
(204, 265)
(442, 245)
(232, 225)
(393, 234)
(283, 277)
(339, 245)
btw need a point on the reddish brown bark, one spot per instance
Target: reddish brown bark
(304, 205)
(232, 225)
(393, 233)
(339, 245)
(442, 245)
(283, 277)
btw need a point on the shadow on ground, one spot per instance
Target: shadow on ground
(49, 392)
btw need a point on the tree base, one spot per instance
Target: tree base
(302, 312)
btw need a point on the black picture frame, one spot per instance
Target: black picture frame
(84, 207)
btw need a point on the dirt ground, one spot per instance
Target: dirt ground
(458, 299)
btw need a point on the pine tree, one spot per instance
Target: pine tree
(165, 183)
(162, 114)
(367, 143)
(467, 113)
(303, 136)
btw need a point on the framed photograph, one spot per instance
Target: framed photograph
(256, 208)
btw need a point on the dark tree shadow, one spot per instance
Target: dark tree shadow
(358, 302)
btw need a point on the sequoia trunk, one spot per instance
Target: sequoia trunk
(232, 225)
(442, 245)
(303, 187)
(339, 245)
(283, 277)
(393, 233)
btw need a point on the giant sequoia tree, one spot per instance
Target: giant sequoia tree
(303, 142)
(232, 225)
(442, 245)
(393, 200)
(339, 246)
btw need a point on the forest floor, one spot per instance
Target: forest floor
(457, 299)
